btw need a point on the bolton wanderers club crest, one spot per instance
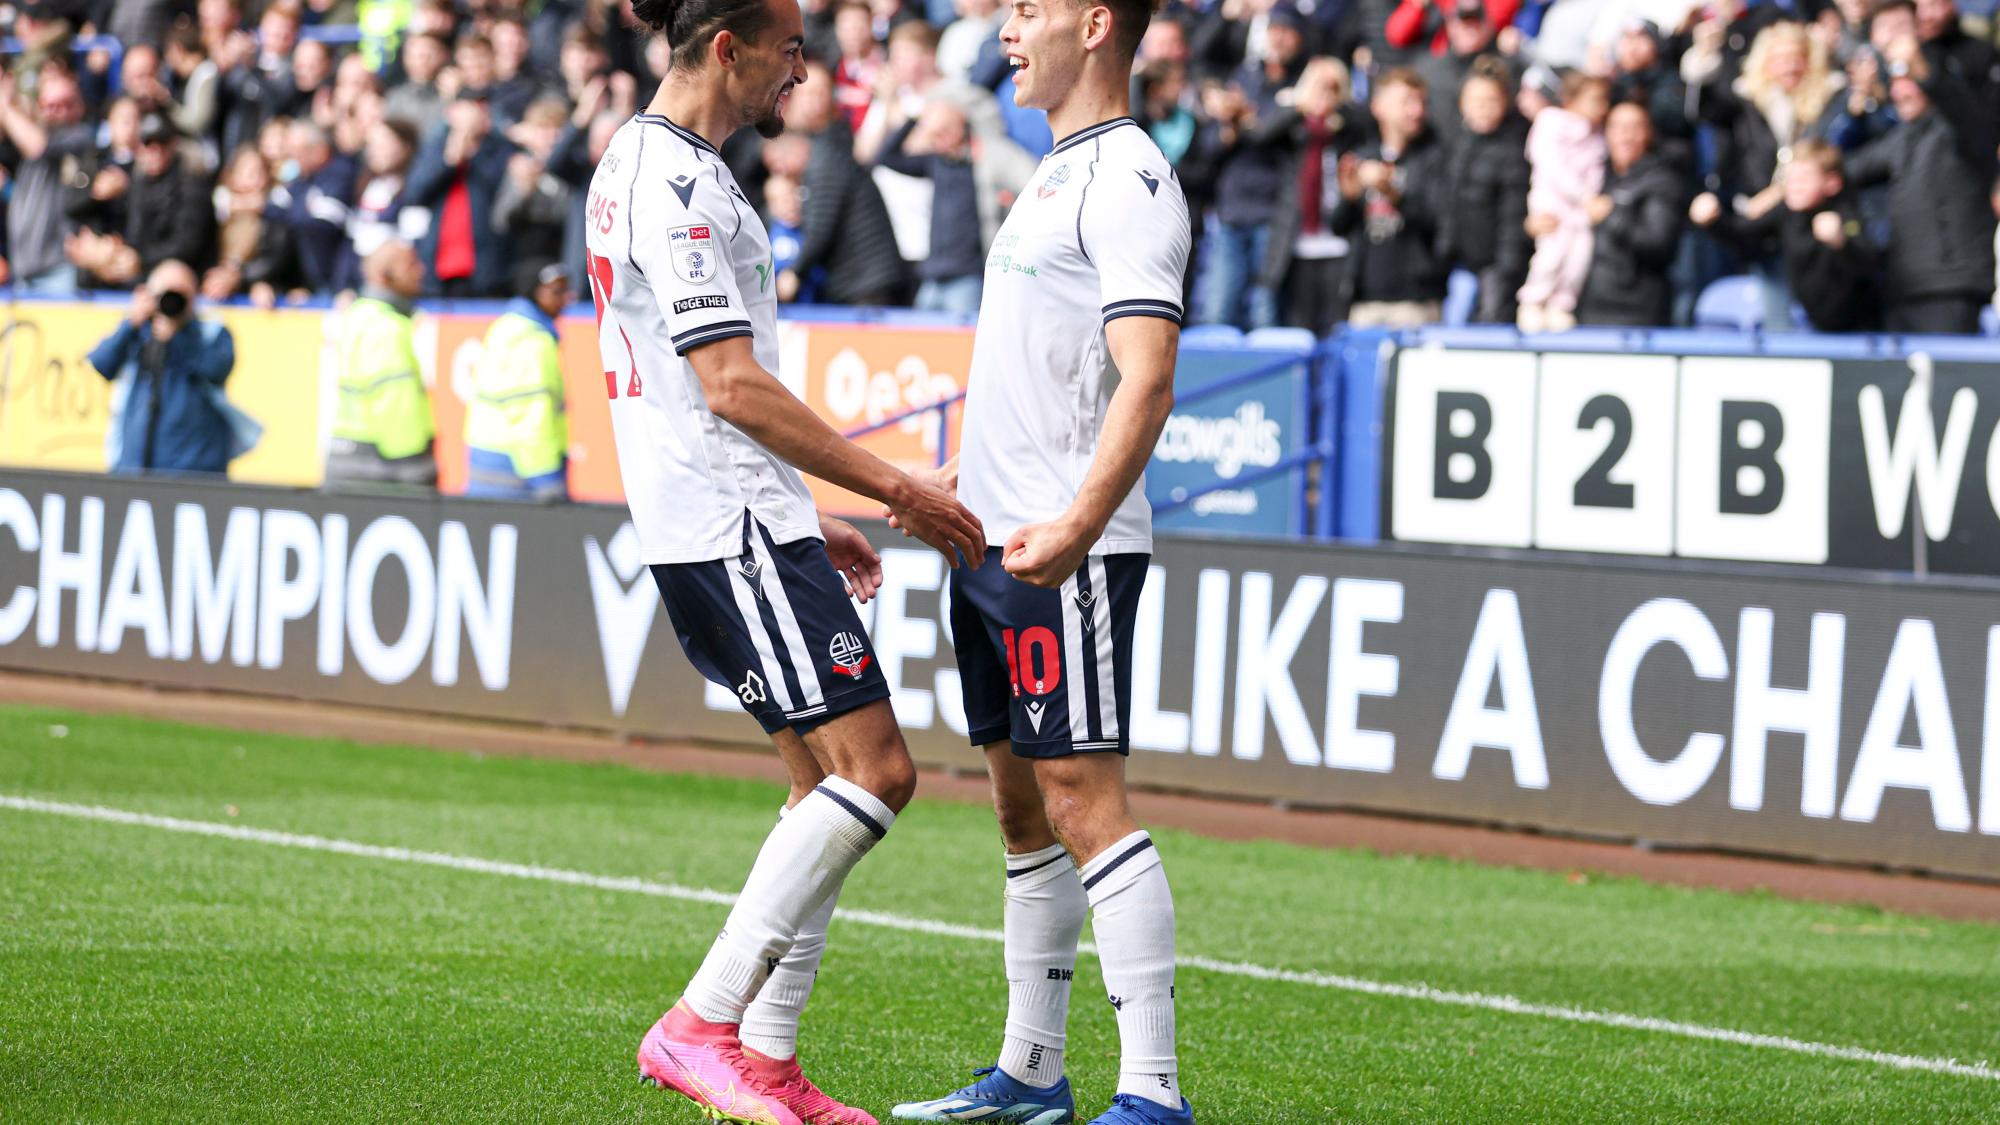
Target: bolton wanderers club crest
(693, 253)
(1054, 183)
(850, 656)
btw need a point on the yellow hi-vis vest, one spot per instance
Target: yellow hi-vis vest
(382, 398)
(517, 404)
(382, 24)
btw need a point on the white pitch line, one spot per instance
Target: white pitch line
(904, 923)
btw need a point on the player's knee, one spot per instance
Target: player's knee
(892, 778)
(1023, 825)
(1068, 812)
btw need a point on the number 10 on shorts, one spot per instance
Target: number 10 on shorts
(1033, 661)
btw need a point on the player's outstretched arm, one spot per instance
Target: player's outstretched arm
(739, 391)
(1145, 349)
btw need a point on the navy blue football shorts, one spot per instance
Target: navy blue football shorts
(774, 625)
(1049, 670)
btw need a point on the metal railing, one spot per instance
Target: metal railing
(942, 408)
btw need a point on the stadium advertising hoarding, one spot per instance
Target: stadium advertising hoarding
(55, 408)
(1803, 714)
(1220, 437)
(1767, 459)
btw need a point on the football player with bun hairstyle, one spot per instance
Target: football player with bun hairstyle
(711, 447)
(1071, 383)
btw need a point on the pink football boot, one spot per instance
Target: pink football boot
(704, 1062)
(783, 1080)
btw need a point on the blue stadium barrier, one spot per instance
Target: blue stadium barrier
(1355, 368)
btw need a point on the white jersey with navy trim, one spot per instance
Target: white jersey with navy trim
(1100, 232)
(678, 259)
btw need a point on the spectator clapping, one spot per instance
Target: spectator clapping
(472, 131)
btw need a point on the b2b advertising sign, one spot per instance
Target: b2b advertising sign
(1828, 718)
(1766, 459)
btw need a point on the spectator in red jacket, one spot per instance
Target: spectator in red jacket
(1415, 22)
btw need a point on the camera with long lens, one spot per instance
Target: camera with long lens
(173, 304)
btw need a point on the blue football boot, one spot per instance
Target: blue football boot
(1126, 1109)
(996, 1098)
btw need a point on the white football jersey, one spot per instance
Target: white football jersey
(678, 259)
(1100, 232)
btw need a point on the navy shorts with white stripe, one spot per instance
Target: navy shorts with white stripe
(1050, 670)
(774, 625)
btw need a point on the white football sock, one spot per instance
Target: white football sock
(771, 1023)
(1132, 917)
(801, 866)
(1043, 917)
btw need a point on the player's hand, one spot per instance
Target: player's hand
(926, 511)
(944, 476)
(1046, 554)
(853, 558)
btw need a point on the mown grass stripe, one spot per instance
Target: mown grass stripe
(907, 924)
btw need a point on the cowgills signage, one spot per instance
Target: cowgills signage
(1804, 713)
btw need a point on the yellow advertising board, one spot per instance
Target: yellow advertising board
(55, 407)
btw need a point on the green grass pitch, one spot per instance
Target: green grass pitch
(150, 975)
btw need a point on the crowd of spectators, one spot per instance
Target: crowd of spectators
(1579, 161)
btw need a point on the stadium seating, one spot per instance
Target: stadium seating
(1211, 336)
(1290, 339)
(1735, 303)
(1461, 297)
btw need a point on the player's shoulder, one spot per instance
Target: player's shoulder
(1125, 141)
(652, 151)
(1127, 158)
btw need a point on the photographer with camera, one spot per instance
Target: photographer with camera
(168, 369)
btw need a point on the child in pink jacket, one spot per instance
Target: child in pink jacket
(1566, 151)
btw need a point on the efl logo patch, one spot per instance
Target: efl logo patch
(850, 656)
(693, 253)
(715, 301)
(1054, 183)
